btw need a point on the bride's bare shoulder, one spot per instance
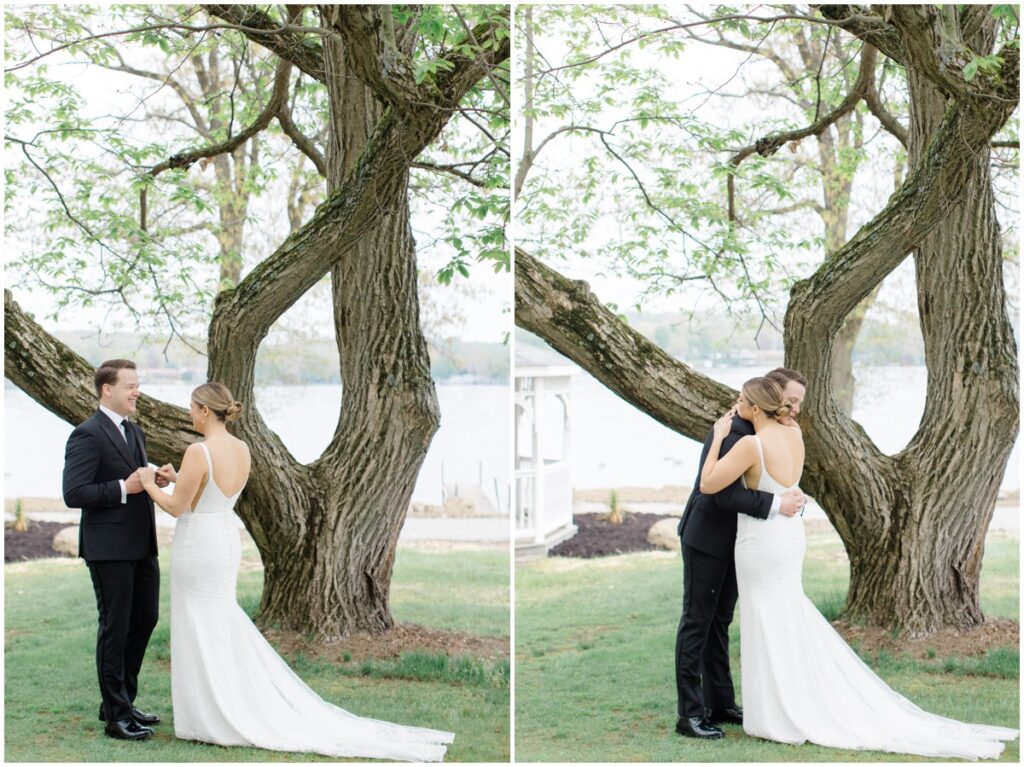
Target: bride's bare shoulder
(243, 448)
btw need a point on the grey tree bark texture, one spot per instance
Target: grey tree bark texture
(326, 531)
(914, 523)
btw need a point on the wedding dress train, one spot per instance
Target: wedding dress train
(802, 682)
(228, 685)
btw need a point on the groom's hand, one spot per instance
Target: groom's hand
(792, 502)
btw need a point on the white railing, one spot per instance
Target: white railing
(543, 500)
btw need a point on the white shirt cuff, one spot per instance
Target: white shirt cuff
(124, 491)
(776, 505)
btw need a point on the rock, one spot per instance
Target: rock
(663, 534)
(417, 509)
(66, 541)
(457, 506)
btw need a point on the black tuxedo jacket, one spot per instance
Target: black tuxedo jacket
(95, 458)
(709, 521)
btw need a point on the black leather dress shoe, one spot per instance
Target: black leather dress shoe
(127, 729)
(143, 718)
(697, 727)
(732, 715)
(139, 716)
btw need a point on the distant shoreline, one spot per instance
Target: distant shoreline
(457, 380)
(678, 494)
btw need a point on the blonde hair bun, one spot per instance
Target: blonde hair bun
(217, 397)
(234, 411)
(783, 410)
(767, 395)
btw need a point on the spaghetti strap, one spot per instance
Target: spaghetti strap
(209, 463)
(760, 453)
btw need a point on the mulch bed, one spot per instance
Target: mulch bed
(34, 543)
(946, 643)
(392, 644)
(597, 537)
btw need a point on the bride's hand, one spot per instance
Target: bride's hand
(788, 420)
(147, 476)
(723, 425)
(167, 474)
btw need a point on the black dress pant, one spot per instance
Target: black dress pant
(127, 597)
(703, 681)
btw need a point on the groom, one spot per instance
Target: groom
(117, 540)
(708, 531)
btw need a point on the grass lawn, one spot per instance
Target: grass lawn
(595, 643)
(52, 698)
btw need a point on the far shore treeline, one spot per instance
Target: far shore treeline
(296, 360)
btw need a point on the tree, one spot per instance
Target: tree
(836, 106)
(913, 524)
(393, 78)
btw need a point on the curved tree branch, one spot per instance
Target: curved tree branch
(299, 49)
(848, 275)
(471, 34)
(567, 315)
(449, 169)
(302, 142)
(771, 143)
(869, 27)
(62, 381)
(530, 155)
(884, 116)
(374, 184)
(278, 98)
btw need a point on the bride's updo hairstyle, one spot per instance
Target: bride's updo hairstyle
(767, 395)
(217, 397)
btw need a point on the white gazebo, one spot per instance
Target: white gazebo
(543, 427)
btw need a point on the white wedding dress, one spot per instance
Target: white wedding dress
(802, 682)
(228, 685)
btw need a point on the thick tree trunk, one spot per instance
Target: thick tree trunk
(353, 500)
(948, 486)
(327, 532)
(914, 524)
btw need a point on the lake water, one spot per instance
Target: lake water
(474, 436)
(615, 445)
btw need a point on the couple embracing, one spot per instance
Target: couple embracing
(228, 685)
(742, 539)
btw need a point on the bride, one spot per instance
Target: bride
(228, 685)
(801, 681)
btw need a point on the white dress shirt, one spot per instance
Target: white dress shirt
(117, 418)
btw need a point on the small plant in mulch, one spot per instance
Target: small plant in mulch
(20, 520)
(616, 514)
